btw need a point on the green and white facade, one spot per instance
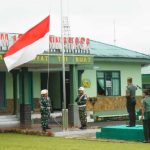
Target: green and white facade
(113, 65)
(103, 71)
(146, 77)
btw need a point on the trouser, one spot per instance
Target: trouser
(44, 121)
(44, 118)
(146, 129)
(131, 111)
(83, 116)
(49, 114)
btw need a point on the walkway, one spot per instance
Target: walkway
(56, 128)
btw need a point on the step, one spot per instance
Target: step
(121, 132)
(8, 116)
(9, 120)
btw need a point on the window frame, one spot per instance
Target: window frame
(104, 78)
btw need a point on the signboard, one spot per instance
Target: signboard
(71, 44)
(75, 45)
(69, 59)
(7, 39)
(57, 59)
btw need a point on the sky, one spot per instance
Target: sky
(94, 19)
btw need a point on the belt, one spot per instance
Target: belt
(43, 107)
(82, 105)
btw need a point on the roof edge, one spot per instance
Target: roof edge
(120, 47)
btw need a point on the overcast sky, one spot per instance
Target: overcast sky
(88, 18)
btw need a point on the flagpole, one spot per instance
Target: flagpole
(64, 111)
(63, 61)
(48, 67)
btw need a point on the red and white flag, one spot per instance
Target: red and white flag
(28, 46)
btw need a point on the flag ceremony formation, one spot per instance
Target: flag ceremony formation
(29, 45)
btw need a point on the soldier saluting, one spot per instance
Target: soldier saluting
(131, 102)
(81, 101)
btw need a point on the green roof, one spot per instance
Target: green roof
(100, 49)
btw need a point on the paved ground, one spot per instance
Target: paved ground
(71, 132)
(89, 133)
(76, 133)
(56, 127)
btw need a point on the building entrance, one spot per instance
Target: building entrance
(55, 88)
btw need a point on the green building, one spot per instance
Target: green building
(101, 68)
(112, 66)
(146, 77)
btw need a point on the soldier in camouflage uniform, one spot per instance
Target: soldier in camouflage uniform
(81, 101)
(44, 109)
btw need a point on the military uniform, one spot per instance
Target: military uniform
(81, 101)
(130, 104)
(49, 106)
(44, 112)
(146, 121)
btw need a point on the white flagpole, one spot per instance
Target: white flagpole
(64, 111)
(63, 58)
(48, 66)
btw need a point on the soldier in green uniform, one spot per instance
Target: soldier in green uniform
(44, 109)
(146, 115)
(81, 101)
(131, 102)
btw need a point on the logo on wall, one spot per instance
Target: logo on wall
(86, 83)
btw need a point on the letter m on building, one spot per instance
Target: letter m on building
(4, 42)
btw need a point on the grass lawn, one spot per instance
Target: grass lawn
(32, 142)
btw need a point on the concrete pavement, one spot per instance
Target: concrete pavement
(56, 126)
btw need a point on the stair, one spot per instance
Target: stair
(121, 132)
(8, 120)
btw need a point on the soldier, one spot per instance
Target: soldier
(131, 102)
(44, 109)
(146, 115)
(81, 101)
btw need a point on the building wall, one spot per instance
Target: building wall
(134, 71)
(9, 104)
(146, 79)
(91, 76)
(126, 70)
(36, 90)
(55, 89)
(36, 85)
(9, 86)
(104, 103)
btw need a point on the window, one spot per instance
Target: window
(146, 86)
(2, 89)
(108, 83)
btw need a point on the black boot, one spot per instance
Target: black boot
(44, 129)
(48, 127)
(83, 127)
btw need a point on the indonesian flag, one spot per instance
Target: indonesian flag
(28, 46)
